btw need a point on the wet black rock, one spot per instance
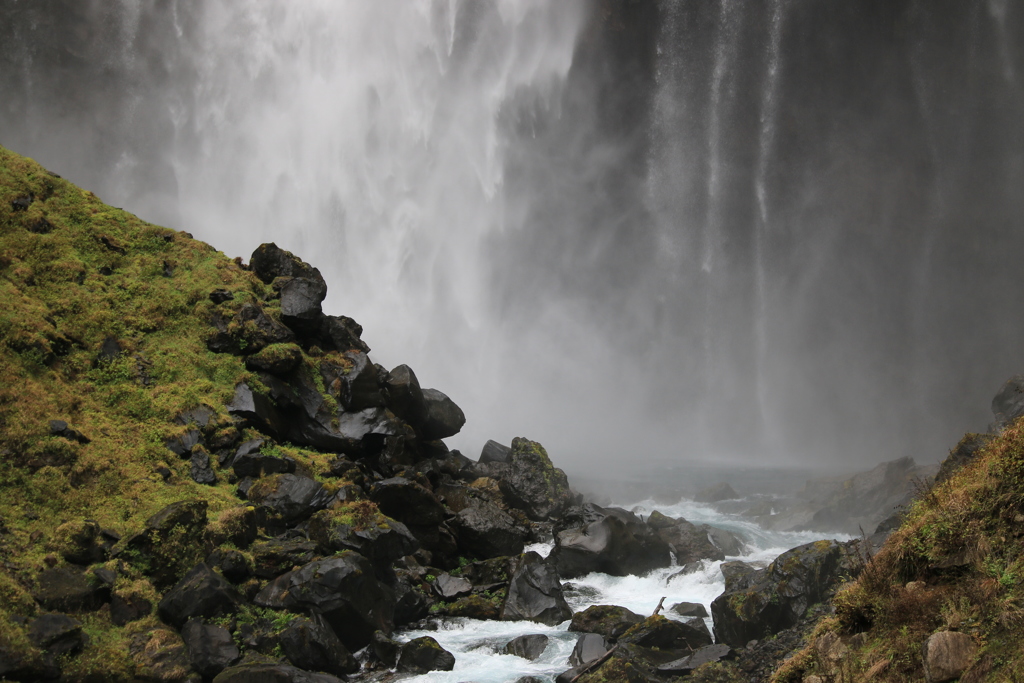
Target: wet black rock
(285, 499)
(160, 655)
(495, 452)
(589, 647)
(81, 542)
(271, 672)
(450, 587)
(665, 634)
(202, 593)
(199, 467)
(443, 417)
(407, 501)
(210, 648)
(618, 544)
(689, 609)
(257, 409)
(273, 558)
(128, 608)
(56, 633)
(381, 540)
(535, 592)
(532, 484)
(279, 359)
(310, 643)
(69, 590)
(688, 542)
(343, 589)
(484, 530)
(182, 444)
(610, 621)
(761, 603)
(528, 647)
(250, 461)
(233, 564)
(686, 665)
(423, 654)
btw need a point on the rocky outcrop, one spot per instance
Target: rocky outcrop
(615, 543)
(610, 621)
(421, 655)
(535, 592)
(759, 603)
(532, 484)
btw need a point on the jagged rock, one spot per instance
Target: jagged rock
(233, 564)
(202, 593)
(713, 494)
(341, 588)
(250, 461)
(449, 587)
(199, 467)
(443, 418)
(249, 331)
(273, 558)
(423, 654)
(610, 621)
(407, 501)
(210, 648)
(495, 452)
(356, 385)
(309, 643)
(690, 609)
(688, 542)
(618, 544)
(385, 649)
(589, 647)
(277, 359)
(341, 334)
(535, 592)
(284, 499)
(128, 608)
(182, 444)
(271, 672)
(738, 575)
(269, 262)
(725, 541)
(484, 530)
(66, 590)
(258, 409)
(79, 541)
(759, 604)
(706, 654)
(1008, 403)
(160, 656)
(380, 539)
(665, 634)
(532, 483)
(528, 647)
(300, 302)
(58, 634)
(947, 654)
(411, 604)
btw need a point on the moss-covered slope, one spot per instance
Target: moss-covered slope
(955, 565)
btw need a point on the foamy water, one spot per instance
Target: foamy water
(476, 644)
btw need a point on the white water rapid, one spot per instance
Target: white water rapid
(477, 644)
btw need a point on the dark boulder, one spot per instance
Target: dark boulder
(249, 331)
(495, 452)
(271, 672)
(182, 444)
(759, 604)
(475, 606)
(528, 647)
(385, 649)
(233, 564)
(443, 418)
(738, 575)
(273, 558)
(57, 634)
(532, 483)
(665, 634)
(285, 499)
(343, 589)
(686, 665)
(1008, 403)
(300, 302)
(269, 262)
(589, 646)
(411, 604)
(250, 461)
(450, 587)
(355, 384)
(210, 648)
(257, 409)
(199, 467)
(726, 541)
(423, 654)
(341, 333)
(618, 544)
(484, 530)
(688, 542)
(535, 592)
(67, 590)
(405, 397)
(690, 609)
(407, 501)
(610, 621)
(372, 535)
(126, 608)
(202, 593)
(61, 428)
(309, 643)
(713, 494)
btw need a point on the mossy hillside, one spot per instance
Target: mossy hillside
(105, 326)
(957, 563)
